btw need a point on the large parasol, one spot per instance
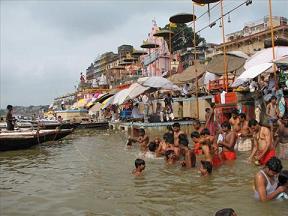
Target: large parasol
(182, 18)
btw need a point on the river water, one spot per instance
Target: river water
(89, 173)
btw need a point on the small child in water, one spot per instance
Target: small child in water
(139, 167)
(283, 181)
(205, 168)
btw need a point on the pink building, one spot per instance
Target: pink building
(156, 62)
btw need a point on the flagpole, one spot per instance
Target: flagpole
(195, 70)
(224, 49)
(272, 39)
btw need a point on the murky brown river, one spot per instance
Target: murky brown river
(89, 173)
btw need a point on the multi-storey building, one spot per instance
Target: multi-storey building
(254, 35)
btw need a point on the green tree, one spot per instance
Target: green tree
(183, 37)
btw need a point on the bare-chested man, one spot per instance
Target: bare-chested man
(166, 144)
(139, 167)
(263, 149)
(272, 112)
(142, 139)
(176, 133)
(282, 138)
(235, 121)
(209, 148)
(228, 142)
(188, 154)
(197, 126)
(244, 142)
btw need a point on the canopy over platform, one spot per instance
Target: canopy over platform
(137, 53)
(251, 73)
(234, 62)
(205, 1)
(158, 82)
(282, 61)
(188, 74)
(182, 18)
(266, 56)
(163, 33)
(149, 45)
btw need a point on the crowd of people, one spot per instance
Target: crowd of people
(214, 147)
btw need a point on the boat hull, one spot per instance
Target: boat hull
(23, 140)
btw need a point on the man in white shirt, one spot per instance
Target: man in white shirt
(136, 113)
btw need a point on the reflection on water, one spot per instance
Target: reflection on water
(89, 173)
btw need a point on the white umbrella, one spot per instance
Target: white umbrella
(265, 56)
(157, 82)
(135, 90)
(251, 73)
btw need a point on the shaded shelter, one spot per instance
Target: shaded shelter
(266, 56)
(188, 74)
(234, 62)
(251, 73)
(182, 18)
(158, 83)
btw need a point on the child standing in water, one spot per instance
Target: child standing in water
(142, 139)
(139, 167)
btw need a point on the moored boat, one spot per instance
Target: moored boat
(14, 140)
(97, 125)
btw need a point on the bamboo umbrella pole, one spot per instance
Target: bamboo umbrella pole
(170, 51)
(272, 39)
(224, 49)
(195, 69)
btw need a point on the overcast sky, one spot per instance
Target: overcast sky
(45, 44)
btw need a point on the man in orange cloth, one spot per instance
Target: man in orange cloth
(263, 149)
(228, 143)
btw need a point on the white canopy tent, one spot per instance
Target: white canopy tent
(251, 73)
(158, 82)
(127, 94)
(265, 56)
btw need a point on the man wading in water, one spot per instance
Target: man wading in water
(263, 149)
(265, 181)
(139, 167)
(244, 142)
(228, 143)
(282, 138)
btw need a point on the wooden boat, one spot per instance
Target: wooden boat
(14, 140)
(97, 125)
(54, 125)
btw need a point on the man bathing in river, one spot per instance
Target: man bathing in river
(205, 168)
(197, 126)
(265, 181)
(244, 142)
(282, 138)
(139, 167)
(263, 149)
(235, 121)
(186, 153)
(176, 133)
(228, 143)
(142, 139)
(167, 143)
